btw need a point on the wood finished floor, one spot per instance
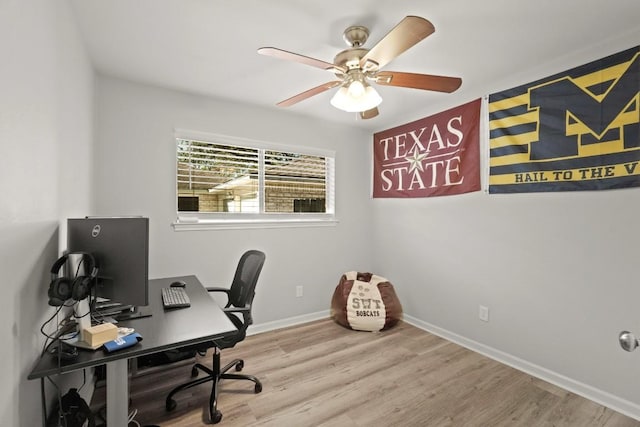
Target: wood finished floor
(321, 374)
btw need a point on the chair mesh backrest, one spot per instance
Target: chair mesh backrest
(246, 277)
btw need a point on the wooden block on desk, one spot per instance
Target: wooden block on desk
(100, 334)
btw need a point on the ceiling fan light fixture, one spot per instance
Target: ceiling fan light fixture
(356, 89)
(356, 66)
(356, 97)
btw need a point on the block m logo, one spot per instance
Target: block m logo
(562, 102)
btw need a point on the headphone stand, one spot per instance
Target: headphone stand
(84, 322)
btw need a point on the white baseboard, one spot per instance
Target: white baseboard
(284, 323)
(609, 400)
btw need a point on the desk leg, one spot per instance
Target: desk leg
(43, 396)
(117, 393)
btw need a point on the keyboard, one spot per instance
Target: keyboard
(175, 298)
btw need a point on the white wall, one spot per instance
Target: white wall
(45, 174)
(558, 271)
(135, 175)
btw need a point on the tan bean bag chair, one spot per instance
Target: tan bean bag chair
(365, 302)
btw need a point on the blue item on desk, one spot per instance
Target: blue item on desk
(122, 342)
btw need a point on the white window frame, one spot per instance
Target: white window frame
(186, 221)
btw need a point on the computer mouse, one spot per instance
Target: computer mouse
(178, 284)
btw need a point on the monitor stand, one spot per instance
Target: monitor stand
(136, 312)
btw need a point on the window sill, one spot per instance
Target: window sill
(240, 224)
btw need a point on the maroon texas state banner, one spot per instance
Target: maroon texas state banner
(435, 156)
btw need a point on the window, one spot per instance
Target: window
(230, 181)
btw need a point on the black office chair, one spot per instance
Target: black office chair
(240, 297)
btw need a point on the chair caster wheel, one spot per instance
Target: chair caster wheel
(194, 372)
(170, 405)
(258, 388)
(239, 365)
(217, 417)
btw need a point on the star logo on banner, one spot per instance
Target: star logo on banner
(415, 161)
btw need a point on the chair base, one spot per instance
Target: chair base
(216, 375)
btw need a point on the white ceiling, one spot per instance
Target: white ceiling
(209, 46)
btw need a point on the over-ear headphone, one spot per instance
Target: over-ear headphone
(62, 288)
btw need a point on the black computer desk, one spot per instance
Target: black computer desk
(163, 330)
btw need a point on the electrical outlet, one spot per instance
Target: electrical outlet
(483, 313)
(298, 291)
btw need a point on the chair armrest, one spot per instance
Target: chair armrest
(217, 289)
(244, 311)
(237, 309)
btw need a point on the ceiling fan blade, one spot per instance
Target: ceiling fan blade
(290, 56)
(419, 81)
(369, 114)
(406, 34)
(309, 93)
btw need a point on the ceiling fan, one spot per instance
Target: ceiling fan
(356, 66)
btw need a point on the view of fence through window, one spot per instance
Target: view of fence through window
(214, 177)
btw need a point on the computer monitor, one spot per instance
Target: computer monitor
(120, 246)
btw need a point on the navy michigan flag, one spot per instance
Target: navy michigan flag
(576, 130)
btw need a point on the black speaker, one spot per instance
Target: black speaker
(78, 287)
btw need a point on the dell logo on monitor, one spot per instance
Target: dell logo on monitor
(95, 231)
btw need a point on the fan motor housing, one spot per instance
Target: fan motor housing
(350, 58)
